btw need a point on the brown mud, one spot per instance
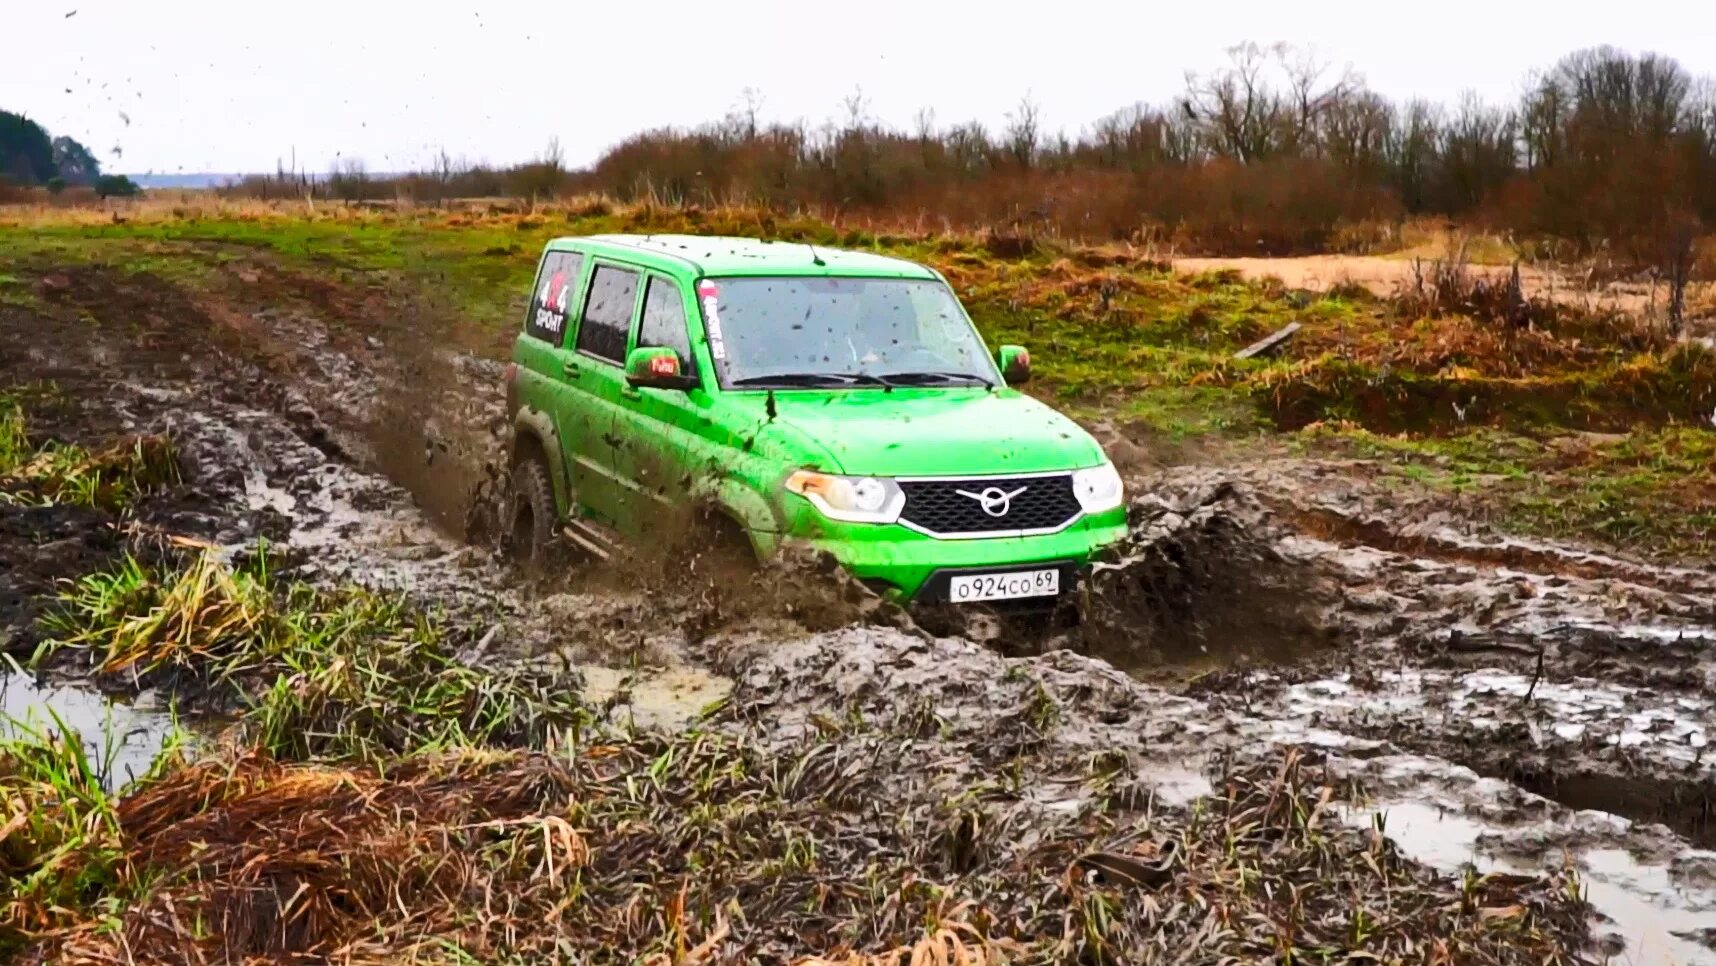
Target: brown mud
(1522, 706)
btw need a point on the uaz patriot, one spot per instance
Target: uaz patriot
(796, 394)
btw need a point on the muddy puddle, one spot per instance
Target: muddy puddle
(1657, 914)
(661, 699)
(120, 737)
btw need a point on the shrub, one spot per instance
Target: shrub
(116, 186)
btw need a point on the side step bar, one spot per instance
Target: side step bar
(593, 538)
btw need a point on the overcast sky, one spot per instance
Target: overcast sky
(212, 86)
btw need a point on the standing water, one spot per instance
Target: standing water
(120, 739)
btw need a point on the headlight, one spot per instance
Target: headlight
(854, 499)
(1098, 488)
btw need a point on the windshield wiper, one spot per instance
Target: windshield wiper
(812, 379)
(937, 375)
(869, 379)
(792, 379)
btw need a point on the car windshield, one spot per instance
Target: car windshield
(839, 332)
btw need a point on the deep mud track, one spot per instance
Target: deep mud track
(1514, 705)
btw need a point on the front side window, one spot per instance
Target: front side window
(607, 317)
(663, 322)
(834, 332)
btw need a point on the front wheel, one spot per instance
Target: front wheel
(532, 516)
(722, 550)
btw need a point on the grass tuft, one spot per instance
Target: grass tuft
(63, 855)
(351, 675)
(36, 472)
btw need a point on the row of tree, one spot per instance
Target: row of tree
(1604, 149)
(29, 157)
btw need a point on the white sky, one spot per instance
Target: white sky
(231, 86)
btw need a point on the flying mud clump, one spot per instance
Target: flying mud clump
(1199, 576)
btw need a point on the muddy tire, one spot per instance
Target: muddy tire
(531, 517)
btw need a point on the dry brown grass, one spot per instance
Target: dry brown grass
(699, 850)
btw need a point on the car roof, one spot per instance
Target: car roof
(712, 255)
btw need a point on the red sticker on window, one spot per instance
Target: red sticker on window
(554, 293)
(708, 289)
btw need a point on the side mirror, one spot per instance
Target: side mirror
(656, 367)
(1015, 364)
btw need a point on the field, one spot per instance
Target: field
(1408, 656)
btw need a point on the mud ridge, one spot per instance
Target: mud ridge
(1339, 526)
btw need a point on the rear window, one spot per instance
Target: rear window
(607, 319)
(552, 300)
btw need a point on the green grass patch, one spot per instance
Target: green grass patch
(1675, 386)
(16, 291)
(316, 674)
(1651, 491)
(45, 472)
(63, 858)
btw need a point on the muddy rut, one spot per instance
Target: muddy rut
(1510, 704)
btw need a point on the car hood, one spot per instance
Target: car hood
(935, 432)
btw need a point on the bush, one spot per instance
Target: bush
(116, 186)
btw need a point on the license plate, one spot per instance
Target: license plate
(1008, 586)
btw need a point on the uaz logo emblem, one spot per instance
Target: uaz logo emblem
(995, 501)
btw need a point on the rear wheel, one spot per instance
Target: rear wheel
(531, 515)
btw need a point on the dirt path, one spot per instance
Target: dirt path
(1385, 276)
(1510, 704)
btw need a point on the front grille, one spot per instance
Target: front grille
(1032, 503)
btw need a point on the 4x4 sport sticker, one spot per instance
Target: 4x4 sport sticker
(708, 292)
(551, 310)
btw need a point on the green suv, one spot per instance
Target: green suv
(795, 395)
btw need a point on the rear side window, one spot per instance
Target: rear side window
(608, 313)
(663, 323)
(550, 303)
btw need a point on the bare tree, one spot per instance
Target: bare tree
(348, 179)
(969, 147)
(751, 103)
(1412, 149)
(1478, 152)
(1354, 131)
(857, 109)
(923, 125)
(1309, 98)
(1235, 109)
(1024, 131)
(1138, 137)
(1543, 122)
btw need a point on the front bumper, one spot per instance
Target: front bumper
(906, 565)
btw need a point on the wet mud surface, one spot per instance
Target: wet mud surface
(1510, 704)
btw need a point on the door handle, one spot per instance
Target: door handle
(570, 368)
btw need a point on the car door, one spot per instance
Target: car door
(652, 462)
(594, 369)
(543, 355)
